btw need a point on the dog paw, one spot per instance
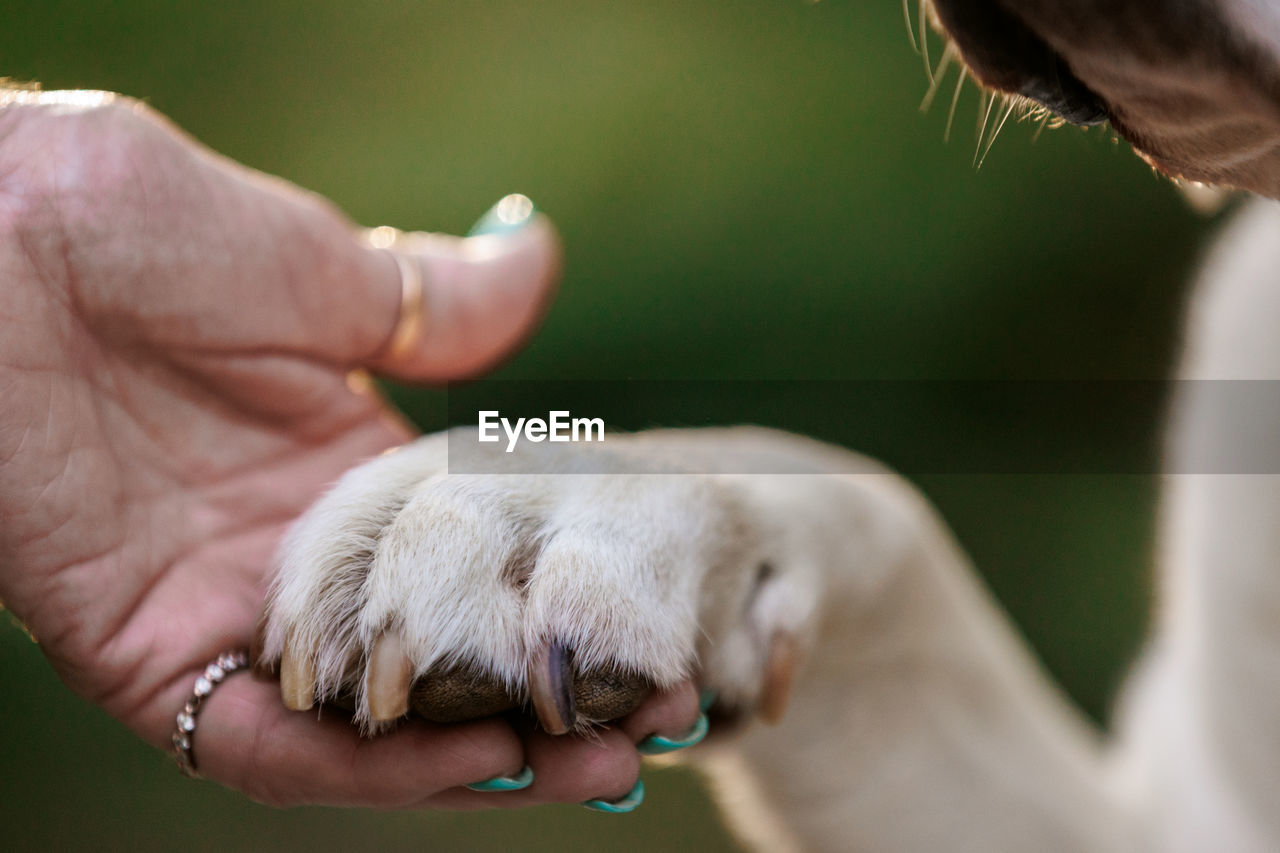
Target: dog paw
(409, 591)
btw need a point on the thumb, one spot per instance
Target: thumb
(196, 254)
(464, 303)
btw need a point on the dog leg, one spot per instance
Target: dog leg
(919, 721)
(1200, 749)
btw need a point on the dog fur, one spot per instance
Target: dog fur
(919, 720)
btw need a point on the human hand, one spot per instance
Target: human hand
(178, 336)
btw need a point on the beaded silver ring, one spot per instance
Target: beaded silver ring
(185, 723)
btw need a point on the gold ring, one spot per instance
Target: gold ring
(410, 319)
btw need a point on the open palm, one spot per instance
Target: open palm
(176, 385)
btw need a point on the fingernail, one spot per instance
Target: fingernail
(707, 698)
(509, 215)
(657, 744)
(523, 779)
(627, 804)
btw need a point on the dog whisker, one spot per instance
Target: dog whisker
(924, 40)
(911, 31)
(1010, 104)
(955, 100)
(944, 65)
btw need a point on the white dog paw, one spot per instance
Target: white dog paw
(405, 590)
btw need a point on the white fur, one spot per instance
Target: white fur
(920, 722)
(916, 713)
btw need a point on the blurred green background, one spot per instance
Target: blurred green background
(746, 190)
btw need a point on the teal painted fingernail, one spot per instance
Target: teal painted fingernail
(657, 744)
(627, 804)
(523, 779)
(707, 698)
(509, 215)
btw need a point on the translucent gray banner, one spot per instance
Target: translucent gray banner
(915, 427)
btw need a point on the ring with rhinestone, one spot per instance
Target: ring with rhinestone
(185, 723)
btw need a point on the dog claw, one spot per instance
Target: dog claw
(551, 688)
(779, 676)
(388, 679)
(297, 679)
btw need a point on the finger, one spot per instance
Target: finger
(574, 768)
(570, 769)
(482, 297)
(201, 255)
(246, 739)
(668, 716)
